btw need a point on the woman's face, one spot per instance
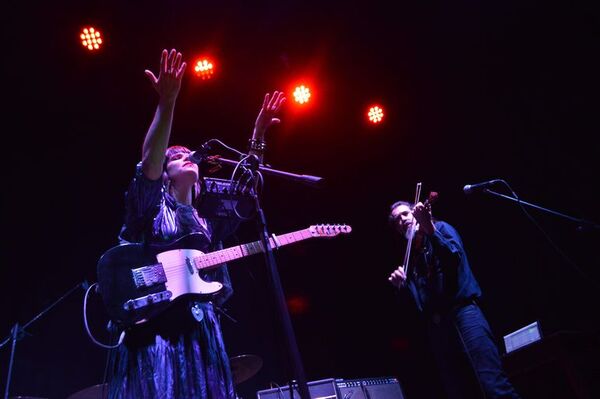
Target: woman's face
(181, 170)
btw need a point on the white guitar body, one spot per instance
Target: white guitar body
(182, 276)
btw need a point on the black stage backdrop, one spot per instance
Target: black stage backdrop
(472, 91)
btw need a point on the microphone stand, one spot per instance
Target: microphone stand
(582, 224)
(306, 179)
(290, 338)
(18, 332)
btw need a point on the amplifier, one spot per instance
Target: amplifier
(370, 388)
(365, 388)
(321, 389)
(220, 198)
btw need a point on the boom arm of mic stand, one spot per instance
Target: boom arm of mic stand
(306, 179)
(582, 223)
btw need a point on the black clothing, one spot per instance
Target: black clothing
(445, 292)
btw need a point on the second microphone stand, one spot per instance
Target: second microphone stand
(18, 332)
(582, 224)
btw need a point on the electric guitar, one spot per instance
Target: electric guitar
(139, 281)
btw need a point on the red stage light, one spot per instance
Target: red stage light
(375, 114)
(302, 94)
(204, 68)
(91, 38)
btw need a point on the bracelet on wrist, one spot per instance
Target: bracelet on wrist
(257, 144)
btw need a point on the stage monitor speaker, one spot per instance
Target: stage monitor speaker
(321, 389)
(370, 388)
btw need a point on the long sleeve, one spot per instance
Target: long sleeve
(447, 246)
(142, 201)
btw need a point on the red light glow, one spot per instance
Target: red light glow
(375, 114)
(298, 304)
(91, 38)
(204, 68)
(302, 94)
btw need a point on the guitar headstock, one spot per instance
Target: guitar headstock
(329, 230)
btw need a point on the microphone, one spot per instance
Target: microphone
(471, 188)
(200, 155)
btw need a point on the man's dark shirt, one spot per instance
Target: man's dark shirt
(440, 276)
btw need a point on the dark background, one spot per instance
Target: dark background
(472, 91)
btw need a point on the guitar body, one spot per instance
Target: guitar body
(139, 281)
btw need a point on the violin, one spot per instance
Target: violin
(433, 196)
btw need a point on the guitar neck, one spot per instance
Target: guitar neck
(206, 261)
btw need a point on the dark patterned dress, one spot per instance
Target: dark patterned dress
(176, 354)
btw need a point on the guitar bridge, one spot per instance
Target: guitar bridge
(143, 301)
(148, 276)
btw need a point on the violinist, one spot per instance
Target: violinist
(446, 292)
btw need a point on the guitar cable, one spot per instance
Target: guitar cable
(87, 327)
(249, 175)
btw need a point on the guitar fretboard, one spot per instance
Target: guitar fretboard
(240, 251)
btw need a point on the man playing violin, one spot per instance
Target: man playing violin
(445, 292)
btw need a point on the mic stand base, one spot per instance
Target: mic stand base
(15, 335)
